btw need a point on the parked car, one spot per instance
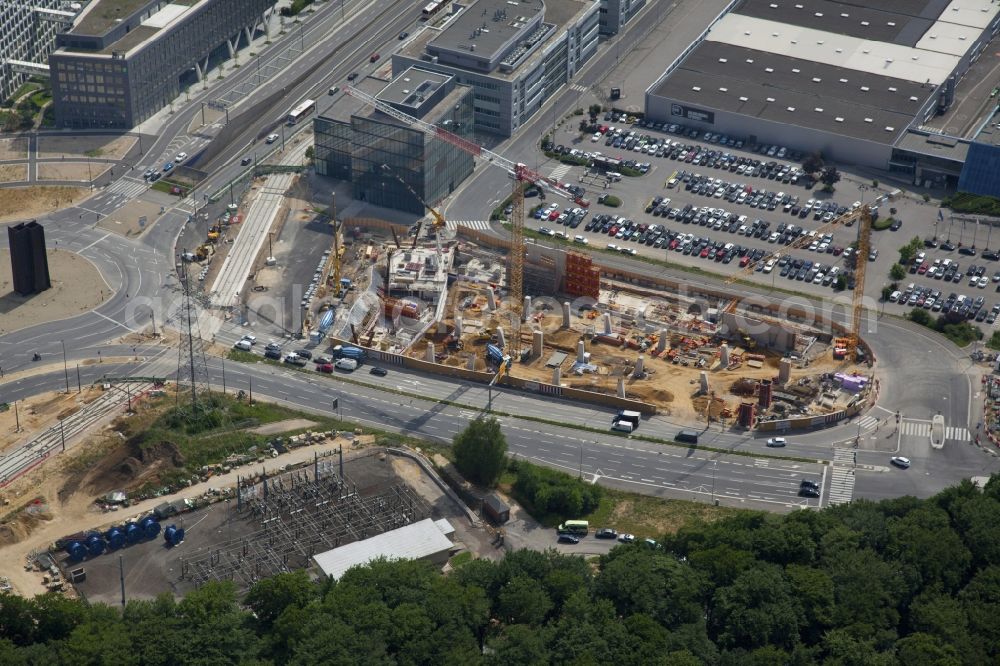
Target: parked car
(324, 367)
(568, 538)
(606, 533)
(626, 538)
(180, 157)
(374, 57)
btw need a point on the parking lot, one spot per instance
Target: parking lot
(699, 199)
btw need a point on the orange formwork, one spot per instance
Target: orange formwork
(582, 277)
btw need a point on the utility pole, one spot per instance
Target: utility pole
(79, 386)
(223, 376)
(65, 367)
(121, 573)
(17, 418)
(62, 434)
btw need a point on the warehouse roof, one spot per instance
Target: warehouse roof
(412, 542)
(869, 22)
(795, 92)
(864, 55)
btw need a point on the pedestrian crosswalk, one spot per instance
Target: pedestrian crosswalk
(577, 87)
(126, 186)
(923, 429)
(841, 489)
(560, 171)
(867, 423)
(481, 225)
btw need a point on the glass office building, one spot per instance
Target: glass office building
(359, 150)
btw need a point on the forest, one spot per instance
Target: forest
(903, 581)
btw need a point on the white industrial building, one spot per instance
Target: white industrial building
(427, 539)
(862, 81)
(27, 36)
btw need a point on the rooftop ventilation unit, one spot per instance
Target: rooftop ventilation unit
(869, 120)
(723, 89)
(839, 119)
(744, 99)
(770, 99)
(843, 80)
(865, 23)
(818, 109)
(696, 88)
(791, 108)
(890, 129)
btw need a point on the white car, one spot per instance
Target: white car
(580, 239)
(596, 137)
(561, 234)
(900, 461)
(346, 364)
(180, 157)
(546, 231)
(252, 339)
(243, 345)
(626, 538)
(776, 441)
(271, 138)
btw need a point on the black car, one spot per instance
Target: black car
(568, 538)
(304, 353)
(947, 246)
(378, 372)
(896, 225)
(606, 533)
(245, 161)
(967, 251)
(352, 76)
(272, 353)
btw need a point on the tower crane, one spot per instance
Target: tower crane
(520, 173)
(439, 221)
(862, 214)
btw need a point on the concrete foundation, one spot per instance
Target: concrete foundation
(430, 352)
(537, 346)
(784, 370)
(704, 382)
(565, 323)
(581, 349)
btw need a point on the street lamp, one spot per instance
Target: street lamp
(715, 464)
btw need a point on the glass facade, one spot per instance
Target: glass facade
(981, 173)
(430, 167)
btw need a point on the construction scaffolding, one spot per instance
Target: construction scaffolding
(285, 521)
(582, 278)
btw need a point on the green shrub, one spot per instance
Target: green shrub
(613, 201)
(551, 493)
(964, 202)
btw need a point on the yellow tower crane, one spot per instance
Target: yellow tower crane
(439, 221)
(520, 174)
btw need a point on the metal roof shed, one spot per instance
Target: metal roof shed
(421, 540)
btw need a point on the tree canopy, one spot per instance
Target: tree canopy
(480, 451)
(902, 581)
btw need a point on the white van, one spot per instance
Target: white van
(346, 364)
(614, 176)
(243, 345)
(894, 297)
(623, 426)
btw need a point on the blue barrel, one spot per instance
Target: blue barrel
(133, 533)
(150, 527)
(115, 537)
(95, 545)
(173, 535)
(77, 551)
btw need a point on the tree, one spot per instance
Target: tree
(909, 251)
(480, 451)
(897, 272)
(919, 316)
(812, 163)
(887, 292)
(830, 176)
(840, 284)
(523, 601)
(271, 596)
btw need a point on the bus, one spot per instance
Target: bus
(574, 527)
(301, 111)
(433, 8)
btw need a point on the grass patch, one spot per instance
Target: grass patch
(994, 341)
(882, 223)
(461, 559)
(242, 356)
(966, 202)
(94, 152)
(24, 89)
(168, 186)
(612, 201)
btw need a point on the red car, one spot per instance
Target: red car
(554, 215)
(704, 253)
(325, 367)
(744, 262)
(374, 57)
(923, 268)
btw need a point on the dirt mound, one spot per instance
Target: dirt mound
(161, 451)
(658, 395)
(124, 467)
(23, 523)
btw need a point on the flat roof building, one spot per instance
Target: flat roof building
(423, 540)
(124, 60)
(857, 81)
(355, 144)
(513, 54)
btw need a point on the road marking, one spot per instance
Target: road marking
(94, 243)
(114, 322)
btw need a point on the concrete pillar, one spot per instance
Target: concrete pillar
(784, 370)
(704, 382)
(661, 342)
(430, 351)
(458, 327)
(639, 367)
(607, 323)
(764, 394)
(537, 343)
(501, 340)
(724, 355)
(472, 362)
(580, 350)
(198, 70)
(556, 376)
(248, 34)
(565, 323)
(492, 304)
(231, 47)
(621, 387)
(527, 308)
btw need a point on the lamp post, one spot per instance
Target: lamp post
(65, 367)
(715, 464)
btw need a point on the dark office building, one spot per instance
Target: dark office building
(28, 262)
(355, 149)
(124, 60)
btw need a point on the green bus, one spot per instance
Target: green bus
(574, 527)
